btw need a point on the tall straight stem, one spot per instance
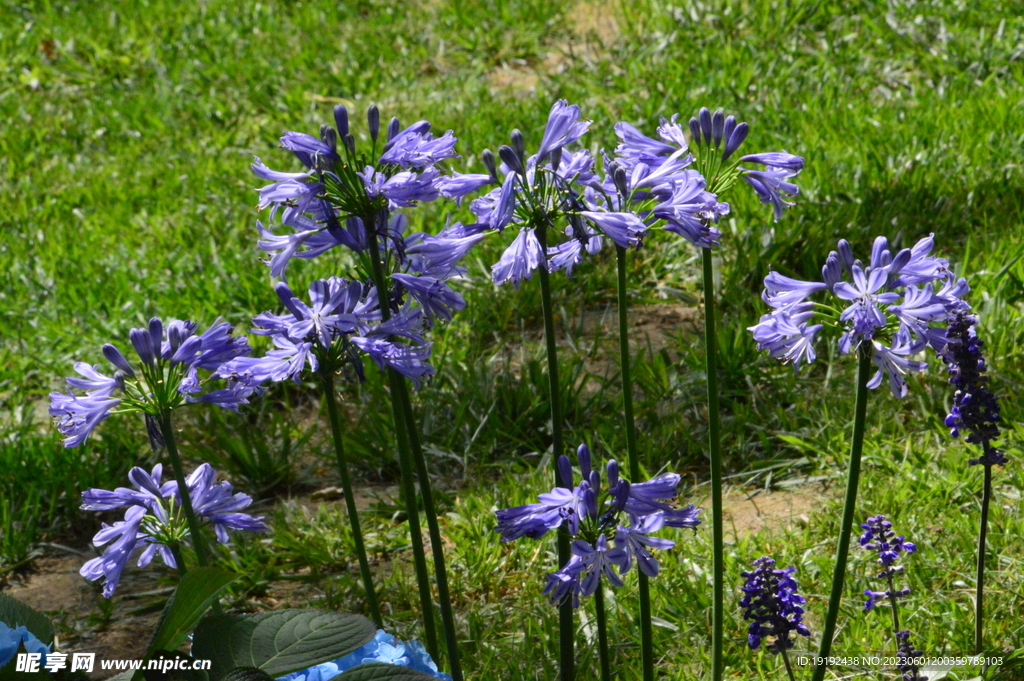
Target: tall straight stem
(979, 593)
(646, 627)
(602, 634)
(715, 450)
(567, 659)
(402, 437)
(167, 430)
(789, 666)
(436, 548)
(327, 380)
(849, 509)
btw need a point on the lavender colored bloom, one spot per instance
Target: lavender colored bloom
(625, 229)
(439, 256)
(286, 362)
(787, 336)
(773, 606)
(689, 210)
(772, 187)
(77, 417)
(781, 291)
(864, 313)
(519, 260)
(879, 537)
(153, 519)
(416, 147)
(563, 128)
(895, 362)
(458, 185)
(598, 560)
(592, 515)
(408, 360)
(776, 159)
(635, 542)
(433, 295)
(975, 407)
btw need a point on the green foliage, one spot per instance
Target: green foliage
(278, 642)
(378, 671)
(16, 614)
(194, 595)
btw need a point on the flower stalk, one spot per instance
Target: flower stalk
(602, 634)
(167, 431)
(566, 634)
(715, 449)
(396, 383)
(330, 397)
(646, 628)
(849, 509)
(979, 595)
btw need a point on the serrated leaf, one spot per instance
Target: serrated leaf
(378, 671)
(279, 642)
(15, 614)
(195, 594)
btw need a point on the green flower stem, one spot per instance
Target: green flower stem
(330, 397)
(979, 594)
(436, 547)
(849, 509)
(646, 628)
(404, 452)
(567, 664)
(715, 449)
(789, 667)
(175, 550)
(167, 430)
(602, 634)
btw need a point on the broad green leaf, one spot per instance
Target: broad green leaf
(279, 642)
(377, 671)
(247, 674)
(193, 597)
(14, 614)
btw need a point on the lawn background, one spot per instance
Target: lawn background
(125, 193)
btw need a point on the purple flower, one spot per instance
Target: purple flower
(438, 256)
(154, 520)
(286, 362)
(786, 335)
(773, 606)
(433, 295)
(895, 363)
(625, 229)
(408, 360)
(592, 515)
(906, 658)
(689, 210)
(975, 407)
(519, 260)
(864, 312)
(416, 147)
(458, 185)
(781, 291)
(563, 128)
(635, 542)
(772, 187)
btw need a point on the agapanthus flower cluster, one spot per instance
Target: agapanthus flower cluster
(384, 648)
(339, 325)
(12, 639)
(896, 306)
(975, 407)
(342, 189)
(154, 520)
(879, 537)
(647, 182)
(170, 357)
(907, 658)
(612, 526)
(773, 606)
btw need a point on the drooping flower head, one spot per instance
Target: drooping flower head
(895, 307)
(612, 525)
(975, 407)
(773, 606)
(154, 519)
(165, 376)
(879, 537)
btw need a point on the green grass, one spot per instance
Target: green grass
(126, 193)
